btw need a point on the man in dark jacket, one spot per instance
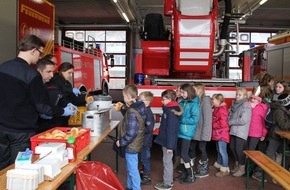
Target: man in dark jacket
(22, 100)
(46, 69)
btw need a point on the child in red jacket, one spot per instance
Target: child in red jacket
(221, 134)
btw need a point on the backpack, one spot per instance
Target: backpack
(269, 122)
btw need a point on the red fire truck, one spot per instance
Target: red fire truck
(189, 53)
(273, 57)
(91, 64)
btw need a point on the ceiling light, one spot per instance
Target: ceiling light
(121, 10)
(125, 17)
(262, 2)
(38, 1)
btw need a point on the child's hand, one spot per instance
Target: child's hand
(118, 143)
(262, 138)
(169, 151)
(179, 113)
(89, 99)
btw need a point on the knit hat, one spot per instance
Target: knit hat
(284, 100)
(256, 93)
(256, 97)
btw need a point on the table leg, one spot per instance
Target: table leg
(72, 182)
(117, 156)
(248, 173)
(89, 156)
(284, 152)
(263, 179)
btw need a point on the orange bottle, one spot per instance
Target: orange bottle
(71, 149)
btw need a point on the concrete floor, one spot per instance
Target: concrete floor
(105, 154)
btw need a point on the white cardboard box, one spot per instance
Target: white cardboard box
(52, 147)
(51, 166)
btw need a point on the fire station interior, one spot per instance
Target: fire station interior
(117, 27)
(251, 24)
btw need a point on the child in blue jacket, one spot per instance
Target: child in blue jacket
(167, 136)
(147, 98)
(187, 128)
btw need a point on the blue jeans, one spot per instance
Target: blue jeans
(222, 159)
(133, 176)
(145, 159)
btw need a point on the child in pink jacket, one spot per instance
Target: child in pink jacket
(257, 131)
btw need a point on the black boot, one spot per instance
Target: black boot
(190, 177)
(192, 163)
(176, 162)
(145, 179)
(202, 169)
(182, 175)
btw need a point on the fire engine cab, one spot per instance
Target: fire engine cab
(90, 65)
(272, 56)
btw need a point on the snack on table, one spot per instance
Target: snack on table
(41, 136)
(118, 106)
(74, 132)
(82, 131)
(56, 131)
(58, 134)
(89, 99)
(48, 135)
(82, 137)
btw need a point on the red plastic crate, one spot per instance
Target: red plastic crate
(81, 141)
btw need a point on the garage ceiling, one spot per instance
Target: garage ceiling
(274, 15)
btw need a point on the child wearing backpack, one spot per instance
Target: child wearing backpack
(132, 130)
(147, 98)
(258, 130)
(266, 95)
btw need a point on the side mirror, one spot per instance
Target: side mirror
(112, 62)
